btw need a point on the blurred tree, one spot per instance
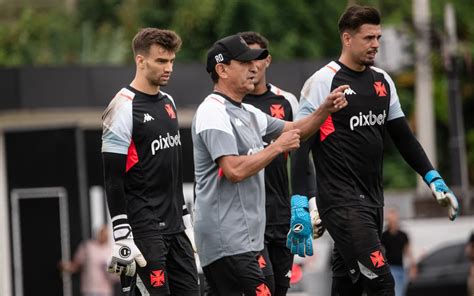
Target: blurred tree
(42, 32)
(38, 38)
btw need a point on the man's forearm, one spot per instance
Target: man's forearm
(408, 146)
(308, 125)
(237, 168)
(311, 123)
(303, 178)
(114, 170)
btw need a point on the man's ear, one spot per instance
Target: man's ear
(346, 39)
(268, 61)
(221, 70)
(140, 61)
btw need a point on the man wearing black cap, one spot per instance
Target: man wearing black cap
(229, 155)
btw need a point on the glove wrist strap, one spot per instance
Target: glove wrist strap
(122, 229)
(431, 176)
(299, 201)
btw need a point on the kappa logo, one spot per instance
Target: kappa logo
(254, 150)
(157, 278)
(380, 89)
(147, 117)
(349, 91)
(238, 122)
(277, 111)
(169, 109)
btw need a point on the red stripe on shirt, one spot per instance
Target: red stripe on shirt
(326, 128)
(132, 156)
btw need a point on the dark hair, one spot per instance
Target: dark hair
(254, 38)
(356, 16)
(146, 37)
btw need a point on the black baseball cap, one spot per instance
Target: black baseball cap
(232, 47)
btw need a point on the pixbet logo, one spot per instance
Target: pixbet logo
(254, 150)
(367, 120)
(165, 142)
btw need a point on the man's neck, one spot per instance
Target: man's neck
(260, 88)
(349, 63)
(228, 91)
(143, 86)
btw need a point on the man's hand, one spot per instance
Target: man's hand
(299, 239)
(336, 100)
(443, 195)
(125, 252)
(288, 141)
(318, 228)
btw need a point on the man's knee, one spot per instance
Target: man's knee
(382, 285)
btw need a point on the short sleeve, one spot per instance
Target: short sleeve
(213, 126)
(268, 126)
(395, 110)
(117, 123)
(316, 89)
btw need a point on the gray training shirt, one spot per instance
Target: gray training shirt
(229, 218)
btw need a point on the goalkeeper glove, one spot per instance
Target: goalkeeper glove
(124, 251)
(299, 239)
(443, 195)
(318, 228)
(189, 230)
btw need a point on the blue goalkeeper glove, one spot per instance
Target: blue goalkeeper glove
(299, 239)
(443, 195)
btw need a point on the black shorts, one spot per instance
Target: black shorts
(280, 256)
(357, 250)
(264, 262)
(277, 234)
(171, 265)
(236, 275)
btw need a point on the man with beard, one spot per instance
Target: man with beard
(348, 156)
(141, 150)
(229, 158)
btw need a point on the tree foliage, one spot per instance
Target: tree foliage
(100, 32)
